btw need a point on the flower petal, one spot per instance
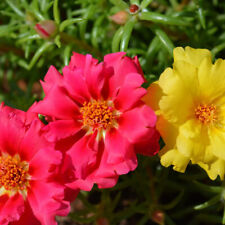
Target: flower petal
(27, 218)
(215, 169)
(134, 124)
(212, 86)
(52, 78)
(123, 158)
(175, 158)
(132, 85)
(57, 104)
(61, 129)
(84, 155)
(75, 83)
(153, 96)
(191, 55)
(46, 201)
(189, 144)
(47, 158)
(173, 106)
(11, 208)
(217, 140)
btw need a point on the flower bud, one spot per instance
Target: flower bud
(120, 17)
(46, 29)
(158, 217)
(133, 8)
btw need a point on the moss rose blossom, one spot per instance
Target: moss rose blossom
(27, 159)
(95, 109)
(189, 99)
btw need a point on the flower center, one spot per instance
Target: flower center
(98, 114)
(206, 114)
(14, 175)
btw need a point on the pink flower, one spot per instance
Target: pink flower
(97, 117)
(27, 162)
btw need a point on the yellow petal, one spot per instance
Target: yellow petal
(153, 96)
(167, 131)
(177, 102)
(217, 140)
(211, 79)
(193, 142)
(191, 55)
(175, 158)
(189, 76)
(215, 169)
(169, 154)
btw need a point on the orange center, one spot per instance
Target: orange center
(97, 114)
(206, 114)
(13, 173)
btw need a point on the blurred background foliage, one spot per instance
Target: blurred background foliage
(35, 34)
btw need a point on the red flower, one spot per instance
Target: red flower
(97, 113)
(26, 162)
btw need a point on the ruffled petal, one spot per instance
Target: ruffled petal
(122, 67)
(57, 104)
(153, 96)
(188, 74)
(30, 143)
(75, 83)
(52, 78)
(149, 145)
(175, 158)
(193, 142)
(79, 61)
(11, 208)
(131, 85)
(27, 218)
(46, 201)
(84, 156)
(123, 158)
(212, 86)
(217, 140)
(60, 129)
(177, 106)
(215, 169)
(190, 55)
(13, 126)
(47, 158)
(134, 124)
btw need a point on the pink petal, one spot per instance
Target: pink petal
(47, 158)
(140, 71)
(57, 104)
(46, 201)
(11, 208)
(12, 130)
(132, 85)
(119, 154)
(27, 218)
(31, 141)
(52, 78)
(60, 129)
(79, 61)
(94, 76)
(150, 145)
(83, 155)
(134, 124)
(122, 66)
(75, 84)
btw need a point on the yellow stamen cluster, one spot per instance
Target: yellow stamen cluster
(206, 114)
(97, 114)
(13, 173)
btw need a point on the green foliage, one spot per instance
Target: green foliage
(86, 26)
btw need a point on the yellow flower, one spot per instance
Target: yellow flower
(190, 103)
